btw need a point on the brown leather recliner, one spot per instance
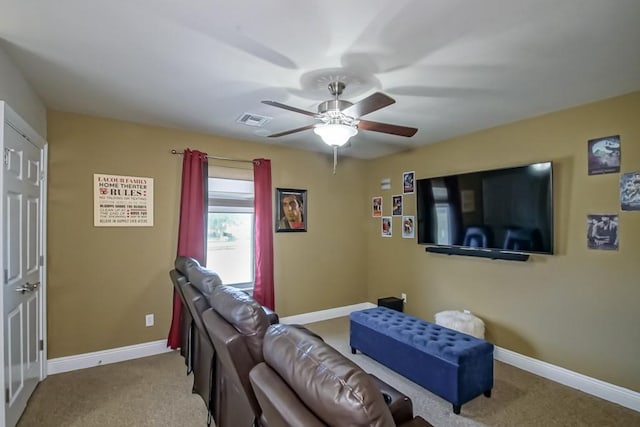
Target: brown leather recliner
(201, 282)
(305, 382)
(236, 324)
(195, 285)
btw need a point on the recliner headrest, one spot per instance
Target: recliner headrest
(244, 313)
(202, 279)
(337, 390)
(182, 263)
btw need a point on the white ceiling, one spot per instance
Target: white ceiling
(453, 66)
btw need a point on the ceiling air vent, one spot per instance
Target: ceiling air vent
(253, 119)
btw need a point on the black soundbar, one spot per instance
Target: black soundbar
(478, 252)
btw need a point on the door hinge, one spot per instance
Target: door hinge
(6, 157)
(6, 275)
(41, 260)
(6, 395)
(41, 345)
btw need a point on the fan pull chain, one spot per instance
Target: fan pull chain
(335, 158)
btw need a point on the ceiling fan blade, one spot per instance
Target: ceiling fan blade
(368, 105)
(290, 108)
(387, 128)
(289, 132)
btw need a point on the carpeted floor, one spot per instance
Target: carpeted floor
(152, 391)
(155, 391)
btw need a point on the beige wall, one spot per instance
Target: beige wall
(102, 281)
(577, 309)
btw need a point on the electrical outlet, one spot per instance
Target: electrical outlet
(148, 320)
(404, 297)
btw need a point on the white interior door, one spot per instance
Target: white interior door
(22, 182)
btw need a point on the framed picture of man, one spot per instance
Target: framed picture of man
(291, 210)
(602, 231)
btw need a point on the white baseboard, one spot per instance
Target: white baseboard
(114, 355)
(613, 393)
(332, 313)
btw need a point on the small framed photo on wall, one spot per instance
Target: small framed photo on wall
(604, 155)
(408, 182)
(630, 191)
(408, 226)
(291, 210)
(602, 231)
(386, 226)
(376, 207)
(396, 205)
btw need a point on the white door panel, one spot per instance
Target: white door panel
(21, 261)
(13, 243)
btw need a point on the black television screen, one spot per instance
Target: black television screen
(508, 209)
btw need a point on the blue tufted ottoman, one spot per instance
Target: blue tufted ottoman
(453, 365)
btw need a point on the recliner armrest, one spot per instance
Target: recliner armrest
(399, 404)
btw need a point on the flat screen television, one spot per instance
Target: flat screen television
(508, 209)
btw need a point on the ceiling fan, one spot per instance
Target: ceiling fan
(342, 119)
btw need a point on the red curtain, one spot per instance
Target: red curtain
(263, 281)
(192, 228)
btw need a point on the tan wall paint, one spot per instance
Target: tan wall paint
(577, 309)
(102, 281)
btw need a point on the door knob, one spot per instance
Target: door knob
(27, 287)
(32, 286)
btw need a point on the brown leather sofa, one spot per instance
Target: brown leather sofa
(236, 325)
(226, 329)
(305, 382)
(195, 284)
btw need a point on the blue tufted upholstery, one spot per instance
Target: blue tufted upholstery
(451, 364)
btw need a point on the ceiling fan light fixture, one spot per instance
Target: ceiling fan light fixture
(335, 134)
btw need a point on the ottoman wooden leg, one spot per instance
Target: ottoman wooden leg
(456, 409)
(353, 350)
(487, 393)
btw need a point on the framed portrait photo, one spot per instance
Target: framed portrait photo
(291, 210)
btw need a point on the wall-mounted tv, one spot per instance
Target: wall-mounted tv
(508, 209)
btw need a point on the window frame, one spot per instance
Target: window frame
(229, 205)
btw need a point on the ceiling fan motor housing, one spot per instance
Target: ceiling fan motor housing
(333, 105)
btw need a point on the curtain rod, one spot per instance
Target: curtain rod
(217, 157)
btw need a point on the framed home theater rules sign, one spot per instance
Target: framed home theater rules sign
(122, 201)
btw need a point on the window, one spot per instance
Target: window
(230, 228)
